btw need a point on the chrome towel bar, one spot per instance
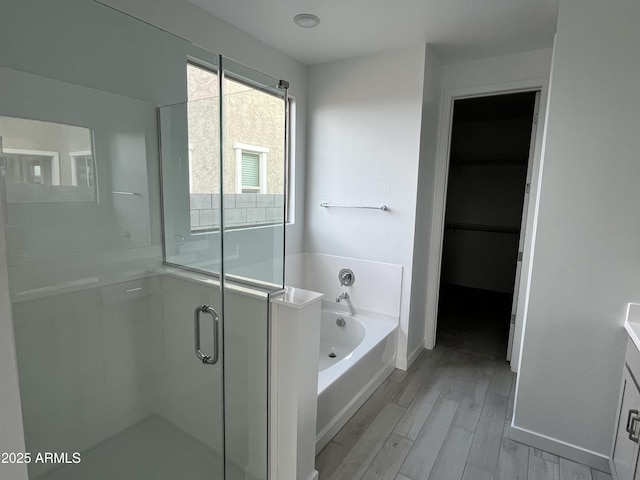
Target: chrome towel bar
(127, 193)
(384, 208)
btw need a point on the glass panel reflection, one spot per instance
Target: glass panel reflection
(46, 162)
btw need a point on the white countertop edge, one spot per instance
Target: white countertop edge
(632, 323)
(294, 297)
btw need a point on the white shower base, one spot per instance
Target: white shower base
(153, 449)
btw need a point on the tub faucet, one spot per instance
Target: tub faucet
(342, 296)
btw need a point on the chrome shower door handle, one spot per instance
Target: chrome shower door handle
(206, 359)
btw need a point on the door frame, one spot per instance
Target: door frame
(440, 195)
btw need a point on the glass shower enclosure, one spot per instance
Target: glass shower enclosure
(143, 196)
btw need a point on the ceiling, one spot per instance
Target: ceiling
(458, 30)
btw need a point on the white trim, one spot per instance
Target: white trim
(238, 148)
(250, 148)
(72, 156)
(562, 449)
(405, 363)
(524, 222)
(55, 161)
(440, 192)
(290, 177)
(190, 155)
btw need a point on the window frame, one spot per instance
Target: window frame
(55, 159)
(290, 139)
(239, 149)
(74, 157)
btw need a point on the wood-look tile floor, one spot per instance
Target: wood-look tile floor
(446, 418)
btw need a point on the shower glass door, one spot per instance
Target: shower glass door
(254, 143)
(223, 182)
(192, 377)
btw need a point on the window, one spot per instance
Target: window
(253, 176)
(81, 168)
(31, 167)
(251, 168)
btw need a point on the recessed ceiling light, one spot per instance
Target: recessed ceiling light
(306, 20)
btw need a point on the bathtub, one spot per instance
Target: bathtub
(354, 360)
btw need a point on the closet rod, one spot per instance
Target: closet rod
(483, 228)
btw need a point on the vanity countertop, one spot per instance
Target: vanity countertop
(632, 323)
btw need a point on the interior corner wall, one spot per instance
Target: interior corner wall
(205, 30)
(432, 90)
(586, 263)
(12, 436)
(364, 144)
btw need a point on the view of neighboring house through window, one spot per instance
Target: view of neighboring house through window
(253, 167)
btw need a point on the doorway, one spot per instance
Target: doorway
(487, 192)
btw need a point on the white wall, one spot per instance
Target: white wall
(364, 145)
(432, 91)
(497, 70)
(586, 264)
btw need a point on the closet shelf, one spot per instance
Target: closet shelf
(483, 228)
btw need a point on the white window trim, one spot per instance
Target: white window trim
(190, 168)
(238, 148)
(73, 156)
(55, 163)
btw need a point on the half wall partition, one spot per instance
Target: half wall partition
(142, 192)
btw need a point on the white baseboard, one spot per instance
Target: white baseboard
(560, 448)
(405, 363)
(339, 421)
(313, 475)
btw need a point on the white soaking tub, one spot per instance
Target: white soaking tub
(354, 360)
